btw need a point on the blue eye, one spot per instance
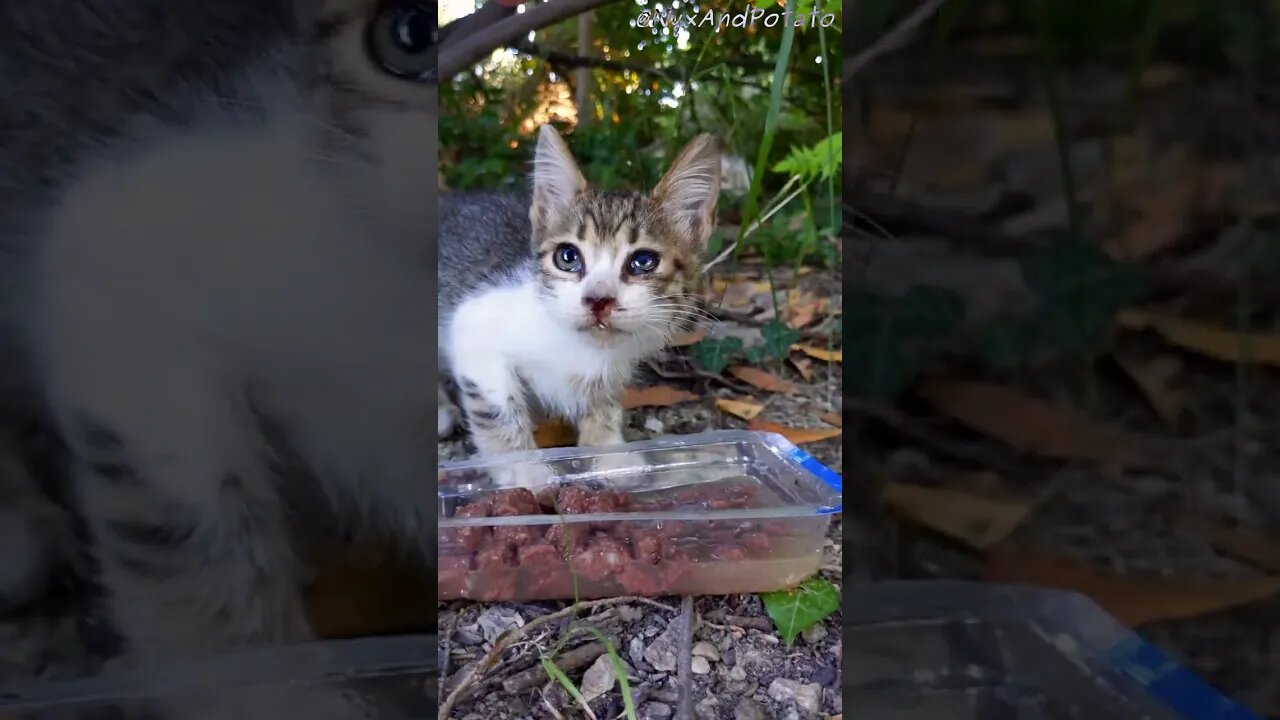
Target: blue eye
(567, 258)
(643, 262)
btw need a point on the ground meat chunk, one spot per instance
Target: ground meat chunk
(516, 501)
(756, 543)
(648, 547)
(568, 537)
(603, 556)
(496, 556)
(472, 538)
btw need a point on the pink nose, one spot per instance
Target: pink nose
(599, 306)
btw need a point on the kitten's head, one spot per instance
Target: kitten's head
(622, 265)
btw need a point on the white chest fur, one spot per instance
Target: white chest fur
(508, 330)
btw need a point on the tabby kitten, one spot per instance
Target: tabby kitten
(548, 303)
(216, 249)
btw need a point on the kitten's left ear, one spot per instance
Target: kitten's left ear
(556, 181)
(690, 189)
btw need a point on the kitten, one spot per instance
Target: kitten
(547, 304)
(213, 224)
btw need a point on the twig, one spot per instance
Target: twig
(685, 659)
(892, 40)
(906, 426)
(506, 639)
(456, 57)
(578, 657)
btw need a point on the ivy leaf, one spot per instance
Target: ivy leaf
(895, 335)
(1080, 290)
(1006, 343)
(715, 354)
(801, 607)
(778, 339)
(882, 373)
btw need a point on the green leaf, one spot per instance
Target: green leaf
(811, 163)
(778, 339)
(715, 354)
(801, 607)
(1080, 290)
(882, 373)
(558, 675)
(1006, 343)
(894, 336)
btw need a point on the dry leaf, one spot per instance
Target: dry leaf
(831, 419)
(797, 436)
(555, 433)
(975, 520)
(833, 355)
(368, 591)
(1132, 601)
(1218, 343)
(1155, 378)
(1030, 425)
(804, 309)
(1258, 549)
(689, 338)
(804, 366)
(739, 408)
(762, 379)
(655, 396)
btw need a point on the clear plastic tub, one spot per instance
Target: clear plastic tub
(396, 677)
(965, 651)
(706, 514)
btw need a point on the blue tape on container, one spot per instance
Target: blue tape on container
(823, 473)
(1175, 686)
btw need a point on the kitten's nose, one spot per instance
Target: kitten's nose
(600, 306)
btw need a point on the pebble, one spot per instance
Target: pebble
(806, 696)
(700, 666)
(598, 679)
(635, 649)
(653, 711)
(814, 634)
(706, 650)
(661, 653)
(629, 613)
(748, 709)
(497, 620)
(825, 675)
(737, 673)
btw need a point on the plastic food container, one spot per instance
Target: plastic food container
(706, 514)
(963, 651)
(395, 675)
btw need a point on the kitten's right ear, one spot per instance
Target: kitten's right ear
(556, 180)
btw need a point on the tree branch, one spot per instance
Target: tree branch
(468, 49)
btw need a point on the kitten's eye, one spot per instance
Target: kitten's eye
(642, 262)
(568, 259)
(402, 39)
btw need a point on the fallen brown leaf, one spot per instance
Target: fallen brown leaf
(1218, 343)
(804, 309)
(797, 436)
(1155, 378)
(762, 379)
(1027, 424)
(975, 520)
(834, 355)
(804, 366)
(831, 419)
(739, 408)
(690, 338)
(1131, 600)
(655, 396)
(555, 433)
(1256, 548)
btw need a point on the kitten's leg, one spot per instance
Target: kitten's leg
(446, 414)
(499, 419)
(602, 426)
